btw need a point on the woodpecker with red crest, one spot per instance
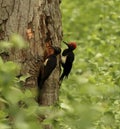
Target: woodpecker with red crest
(49, 65)
(67, 59)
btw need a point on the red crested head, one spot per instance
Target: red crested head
(72, 45)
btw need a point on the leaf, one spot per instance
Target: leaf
(18, 41)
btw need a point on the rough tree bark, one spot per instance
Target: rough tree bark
(37, 21)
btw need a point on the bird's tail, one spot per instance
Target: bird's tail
(39, 93)
(40, 84)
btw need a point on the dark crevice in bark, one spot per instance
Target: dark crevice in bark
(48, 36)
(47, 22)
(2, 33)
(19, 21)
(13, 7)
(1, 3)
(49, 1)
(30, 25)
(3, 29)
(30, 22)
(19, 16)
(7, 12)
(29, 10)
(18, 9)
(42, 26)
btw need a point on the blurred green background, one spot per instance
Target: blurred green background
(91, 94)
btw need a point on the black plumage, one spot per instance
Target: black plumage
(49, 65)
(67, 59)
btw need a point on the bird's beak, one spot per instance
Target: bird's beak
(65, 43)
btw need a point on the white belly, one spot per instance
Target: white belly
(64, 59)
(45, 62)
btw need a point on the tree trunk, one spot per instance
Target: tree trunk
(37, 21)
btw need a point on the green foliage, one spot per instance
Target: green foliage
(15, 41)
(90, 97)
(18, 108)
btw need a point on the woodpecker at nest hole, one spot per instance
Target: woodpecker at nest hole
(48, 65)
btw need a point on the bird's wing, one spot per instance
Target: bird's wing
(49, 67)
(70, 57)
(65, 52)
